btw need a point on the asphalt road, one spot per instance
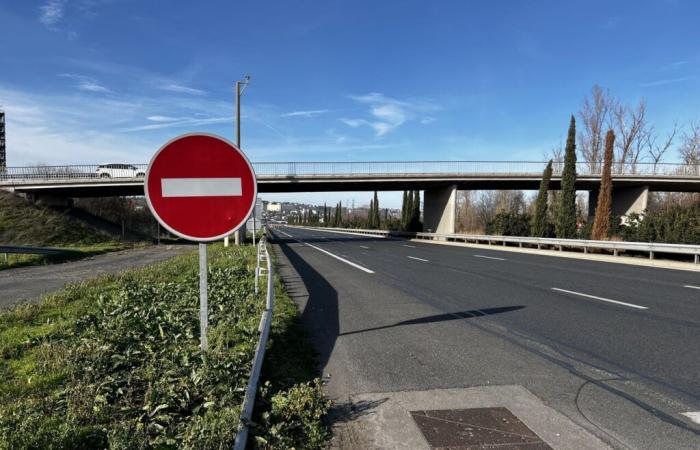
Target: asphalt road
(613, 347)
(30, 283)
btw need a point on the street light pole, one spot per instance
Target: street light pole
(240, 87)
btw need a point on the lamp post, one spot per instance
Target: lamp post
(240, 87)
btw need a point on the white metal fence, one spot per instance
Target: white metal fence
(263, 257)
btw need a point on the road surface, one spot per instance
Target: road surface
(29, 283)
(614, 348)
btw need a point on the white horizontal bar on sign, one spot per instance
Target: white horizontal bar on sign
(201, 187)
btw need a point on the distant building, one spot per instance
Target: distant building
(274, 207)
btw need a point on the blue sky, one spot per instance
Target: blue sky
(91, 81)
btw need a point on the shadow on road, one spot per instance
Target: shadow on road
(443, 318)
(320, 308)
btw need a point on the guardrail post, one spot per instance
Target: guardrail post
(651, 255)
(697, 259)
(615, 252)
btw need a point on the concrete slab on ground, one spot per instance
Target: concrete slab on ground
(383, 420)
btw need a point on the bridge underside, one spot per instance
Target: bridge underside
(116, 187)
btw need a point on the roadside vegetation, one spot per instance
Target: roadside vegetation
(25, 223)
(115, 363)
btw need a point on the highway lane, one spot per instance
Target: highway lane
(650, 356)
(652, 344)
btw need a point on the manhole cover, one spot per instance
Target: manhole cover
(477, 428)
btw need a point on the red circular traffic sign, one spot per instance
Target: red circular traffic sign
(200, 187)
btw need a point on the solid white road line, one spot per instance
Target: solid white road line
(692, 287)
(357, 266)
(631, 305)
(201, 187)
(489, 257)
(364, 246)
(693, 415)
(409, 246)
(418, 259)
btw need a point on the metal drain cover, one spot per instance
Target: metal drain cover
(477, 428)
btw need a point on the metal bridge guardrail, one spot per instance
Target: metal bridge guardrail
(264, 329)
(376, 168)
(562, 244)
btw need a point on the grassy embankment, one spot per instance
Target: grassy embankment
(24, 223)
(115, 363)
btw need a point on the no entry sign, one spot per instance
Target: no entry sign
(200, 187)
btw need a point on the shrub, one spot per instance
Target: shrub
(509, 224)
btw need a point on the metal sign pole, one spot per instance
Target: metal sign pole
(203, 311)
(254, 230)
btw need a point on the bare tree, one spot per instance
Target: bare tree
(690, 146)
(657, 149)
(630, 127)
(594, 116)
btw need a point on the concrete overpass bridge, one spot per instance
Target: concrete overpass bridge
(439, 179)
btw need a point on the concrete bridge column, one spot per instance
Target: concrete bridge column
(625, 200)
(440, 209)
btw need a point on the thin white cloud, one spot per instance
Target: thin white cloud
(180, 89)
(305, 114)
(91, 86)
(388, 114)
(85, 83)
(178, 122)
(51, 12)
(354, 123)
(163, 118)
(666, 81)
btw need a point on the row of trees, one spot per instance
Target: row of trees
(373, 219)
(410, 211)
(676, 223)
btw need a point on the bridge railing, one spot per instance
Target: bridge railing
(377, 168)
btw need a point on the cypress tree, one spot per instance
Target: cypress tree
(404, 205)
(566, 214)
(339, 215)
(415, 212)
(538, 227)
(409, 211)
(603, 210)
(325, 214)
(375, 212)
(370, 215)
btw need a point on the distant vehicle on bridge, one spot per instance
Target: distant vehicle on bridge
(119, 171)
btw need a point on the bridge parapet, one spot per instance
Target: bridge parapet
(374, 168)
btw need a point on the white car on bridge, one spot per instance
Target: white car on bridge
(119, 171)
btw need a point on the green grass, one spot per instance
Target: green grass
(25, 223)
(114, 362)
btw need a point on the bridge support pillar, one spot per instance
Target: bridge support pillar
(440, 209)
(625, 201)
